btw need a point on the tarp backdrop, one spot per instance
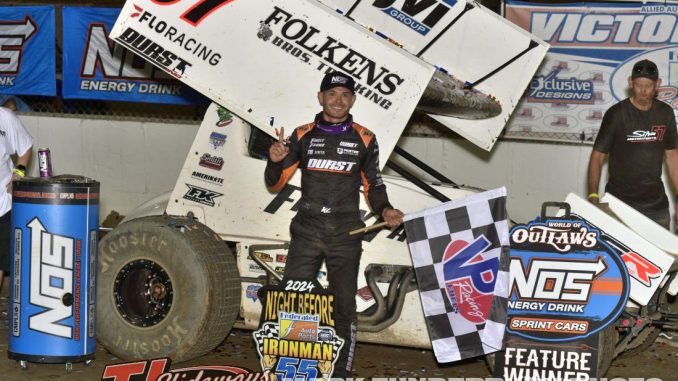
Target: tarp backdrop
(95, 67)
(27, 51)
(593, 48)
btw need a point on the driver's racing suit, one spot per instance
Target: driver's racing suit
(332, 169)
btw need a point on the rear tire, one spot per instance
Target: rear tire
(167, 287)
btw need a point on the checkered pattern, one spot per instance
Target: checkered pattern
(429, 232)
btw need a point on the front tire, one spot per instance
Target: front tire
(167, 287)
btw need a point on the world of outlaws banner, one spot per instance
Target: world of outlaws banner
(593, 48)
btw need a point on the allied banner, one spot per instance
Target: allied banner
(593, 48)
(95, 67)
(460, 255)
(27, 51)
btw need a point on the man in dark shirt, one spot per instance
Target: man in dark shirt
(637, 133)
(336, 155)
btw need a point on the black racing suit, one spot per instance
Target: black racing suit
(332, 169)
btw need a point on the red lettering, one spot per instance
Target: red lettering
(640, 268)
(195, 14)
(124, 372)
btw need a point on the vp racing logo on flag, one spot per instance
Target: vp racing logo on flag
(470, 278)
(13, 38)
(551, 89)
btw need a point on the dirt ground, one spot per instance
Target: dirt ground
(661, 361)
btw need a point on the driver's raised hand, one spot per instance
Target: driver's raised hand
(279, 149)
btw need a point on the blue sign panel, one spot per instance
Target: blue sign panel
(95, 67)
(27, 51)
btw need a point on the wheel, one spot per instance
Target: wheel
(23, 364)
(607, 340)
(167, 287)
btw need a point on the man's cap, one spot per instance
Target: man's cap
(645, 69)
(337, 79)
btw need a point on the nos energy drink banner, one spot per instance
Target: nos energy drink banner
(52, 299)
(27, 51)
(593, 48)
(95, 67)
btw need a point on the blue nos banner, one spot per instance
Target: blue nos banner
(95, 67)
(27, 51)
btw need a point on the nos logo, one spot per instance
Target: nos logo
(470, 278)
(13, 37)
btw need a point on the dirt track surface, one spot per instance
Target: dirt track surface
(661, 361)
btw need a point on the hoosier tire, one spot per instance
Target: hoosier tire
(167, 287)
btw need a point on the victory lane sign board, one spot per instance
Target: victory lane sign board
(567, 284)
(296, 337)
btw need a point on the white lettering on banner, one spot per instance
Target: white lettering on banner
(114, 61)
(51, 277)
(568, 281)
(121, 87)
(13, 36)
(596, 28)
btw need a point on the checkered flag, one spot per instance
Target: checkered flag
(460, 253)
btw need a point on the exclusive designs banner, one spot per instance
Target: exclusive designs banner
(27, 51)
(95, 67)
(460, 255)
(593, 49)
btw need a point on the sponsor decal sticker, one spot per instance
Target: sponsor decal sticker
(418, 16)
(217, 140)
(211, 162)
(207, 178)
(225, 117)
(251, 292)
(201, 195)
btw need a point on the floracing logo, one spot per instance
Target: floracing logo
(201, 195)
(551, 89)
(420, 16)
(159, 370)
(13, 38)
(469, 278)
(51, 281)
(212, 162)
(178, 37)
(554, 297)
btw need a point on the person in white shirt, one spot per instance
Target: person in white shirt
(14, 140)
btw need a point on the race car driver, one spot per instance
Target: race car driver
(336, 155)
